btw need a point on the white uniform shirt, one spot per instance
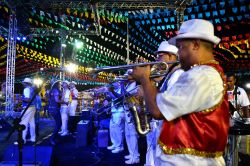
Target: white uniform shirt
(173, 78)
(26, 93)
(117, 107)
(65, 96)
(195, 90)
(74, 91)
(242, 98)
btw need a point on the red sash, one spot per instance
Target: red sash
(201, 133)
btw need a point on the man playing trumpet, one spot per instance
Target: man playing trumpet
(165, 53)
(195, 109)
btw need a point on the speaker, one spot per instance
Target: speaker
(72, 123)
(83, 133)
(103, 138)
(32, 155)
(86, 114)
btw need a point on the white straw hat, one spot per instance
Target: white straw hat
(27, 80)
(166, 47)
(196, 29)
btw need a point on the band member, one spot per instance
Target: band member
(166, 53)
(2, 96)
(131, 134)
(116, 126)
(65, 101)
(237, 96)
(28, 118)
(54, 109)
(74, 95)
(195, 109)
(239, 101)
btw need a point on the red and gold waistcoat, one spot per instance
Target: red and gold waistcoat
(201, 133)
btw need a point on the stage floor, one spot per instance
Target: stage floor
(66, 153)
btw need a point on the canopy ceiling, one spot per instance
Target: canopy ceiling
(103, 26)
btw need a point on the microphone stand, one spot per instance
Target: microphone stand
(20, 127)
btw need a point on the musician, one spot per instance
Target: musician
(116, 126)
(131, 135)
(54, 109)
(28, 118)
(2, 96)
(74, 95)
(73, 106)
(237, 96)
(64, 110)
(166, 53)
(195, 109)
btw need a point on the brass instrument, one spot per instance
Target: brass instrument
(136, 103)
(137, 107)
(125, 67)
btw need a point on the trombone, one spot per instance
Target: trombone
(130, 66)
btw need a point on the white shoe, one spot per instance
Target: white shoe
(32, 140)
(117, 150)
(112, 147)
(132, 161)
(16, 142)
(64, 134)
(128, 156)
(60, 132)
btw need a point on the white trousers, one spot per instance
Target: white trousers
(131, 139)
(28, 120)
(65, 116)
(116, 128)
(72, 108)
(152, 138)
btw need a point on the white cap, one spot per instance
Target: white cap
(166, 47)
(65, 81)
(27, 80)
(196, 29)
(54, 82)
(73, 82)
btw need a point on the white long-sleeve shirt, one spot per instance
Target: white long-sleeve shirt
(195, 90)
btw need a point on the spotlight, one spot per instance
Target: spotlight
(71, 67)
(64, 45)
(38, 81)
(248, 85)
(78, 44)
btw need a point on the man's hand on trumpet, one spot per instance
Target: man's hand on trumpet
(140, 74)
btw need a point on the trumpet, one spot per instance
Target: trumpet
(130, 66)
(153, 74)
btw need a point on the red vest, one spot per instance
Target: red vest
(201, 133)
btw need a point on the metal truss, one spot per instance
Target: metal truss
(10, 72)
(178, 5)
(125, 4)
(3, 30)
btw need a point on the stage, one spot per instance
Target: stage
(66, 152)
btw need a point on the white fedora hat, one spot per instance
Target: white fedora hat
(166, 47)
(27, 80)
(196, 29)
